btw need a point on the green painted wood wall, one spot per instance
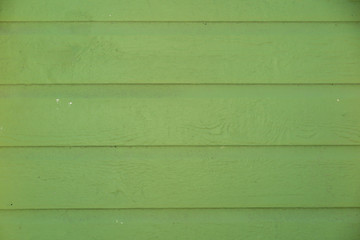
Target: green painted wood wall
(192, 119)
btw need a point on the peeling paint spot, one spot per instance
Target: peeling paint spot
(57, 100)
(70, 103)
(338, 100)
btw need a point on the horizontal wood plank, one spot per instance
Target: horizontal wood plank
(185, 10)
(274, 224)
(45, 53)
(127, 115)
(183, 177)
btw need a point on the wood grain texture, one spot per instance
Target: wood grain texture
(202, 101)
(45, 53)
(276, 224)
(185, 177)
(151, 115)
(185, 10)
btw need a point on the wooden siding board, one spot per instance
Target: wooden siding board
(185, 10)
(127, 115)
(249, 83)
(179, 177)
(272, 224)
(173, 53)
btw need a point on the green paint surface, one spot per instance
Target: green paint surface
(179, 177)
(194, 53)
(193, 119)
(152, 115)
(184, 10)
(164, 224)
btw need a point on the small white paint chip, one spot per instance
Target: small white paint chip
(109, 15)
(338, 100)
(57, 100)
(70, 103)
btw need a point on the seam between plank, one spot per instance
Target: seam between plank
(176, 146)
(174, 22)
(180, 84)
(192, 208)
